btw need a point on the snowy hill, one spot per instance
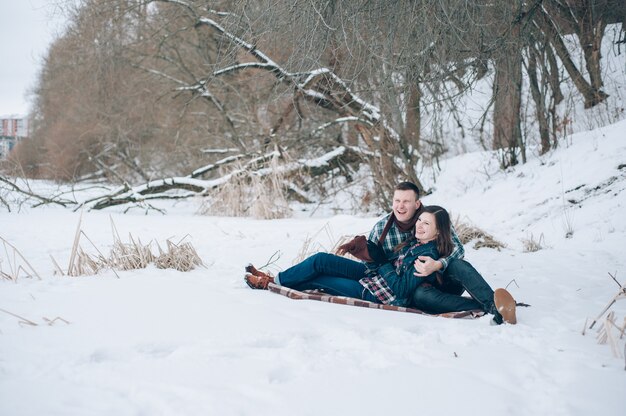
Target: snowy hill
(163, 342)
(580, 186)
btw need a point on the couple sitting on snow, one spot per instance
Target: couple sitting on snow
(412, 257)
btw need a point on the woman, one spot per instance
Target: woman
(395, 285)
(383, 283)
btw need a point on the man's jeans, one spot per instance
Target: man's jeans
(332, 274)
(459, 273)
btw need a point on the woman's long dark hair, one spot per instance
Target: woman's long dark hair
(444, 236)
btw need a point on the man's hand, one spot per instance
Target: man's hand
(376, 253)
(348, 247)
(426, 266)
(357, 247)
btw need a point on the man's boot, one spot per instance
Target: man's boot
(505, 305)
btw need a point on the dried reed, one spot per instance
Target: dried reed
(259, 194)
(531, 245)
(128, 256)
(182, 257)
(15, 263)
(605, 333)
(468, 232)
(22, 320)
(311, 245)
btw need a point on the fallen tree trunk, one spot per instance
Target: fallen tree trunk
(189, 186)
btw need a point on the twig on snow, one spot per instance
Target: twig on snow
(21, 318)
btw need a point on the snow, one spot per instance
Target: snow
(163, 342)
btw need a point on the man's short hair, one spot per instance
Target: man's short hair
(408, 186)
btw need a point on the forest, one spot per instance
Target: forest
(250, 102)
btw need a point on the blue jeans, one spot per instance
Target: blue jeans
(459, 273)
(334, 275)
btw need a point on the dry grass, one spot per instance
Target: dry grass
(17, 264)
(24, 321)
(468, 232)
(182, 257)
(342, 240)
(269, 195)
(129, 256)
(307, 249)
(227, 200)
(605, 333)
(311, 244)
(530, 245)
(258, 194)
(84, 264)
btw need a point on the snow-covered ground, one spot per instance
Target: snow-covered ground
(163, 342)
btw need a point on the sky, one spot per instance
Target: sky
(27, 29)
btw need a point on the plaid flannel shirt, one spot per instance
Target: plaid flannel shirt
(394, 284)
(377, 285)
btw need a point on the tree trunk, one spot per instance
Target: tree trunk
(386, 172)
(552, 74)
(413, 119)
(590, 32)
(538, 98)
(591, 95)
(507, 133)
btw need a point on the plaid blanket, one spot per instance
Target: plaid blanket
(296, 294)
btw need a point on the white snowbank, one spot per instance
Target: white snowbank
(162, 342)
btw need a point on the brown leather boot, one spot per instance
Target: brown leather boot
(258, 279)
(253, 270)
(505, 304)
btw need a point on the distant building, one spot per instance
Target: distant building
(12, 130)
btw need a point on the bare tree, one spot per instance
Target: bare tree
(141, 90)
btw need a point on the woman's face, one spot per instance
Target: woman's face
(426, 228)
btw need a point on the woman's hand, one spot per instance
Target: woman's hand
(425, 266)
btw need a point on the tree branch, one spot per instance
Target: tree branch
(42, 199)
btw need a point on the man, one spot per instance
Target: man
(393, 229)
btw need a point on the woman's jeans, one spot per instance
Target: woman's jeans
(433, 299)
(329, 273)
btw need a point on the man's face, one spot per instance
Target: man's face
(405, 203)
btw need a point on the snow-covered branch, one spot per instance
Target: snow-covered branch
(321, 85)
(208, 168)
(190, 186)
(341, 120)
